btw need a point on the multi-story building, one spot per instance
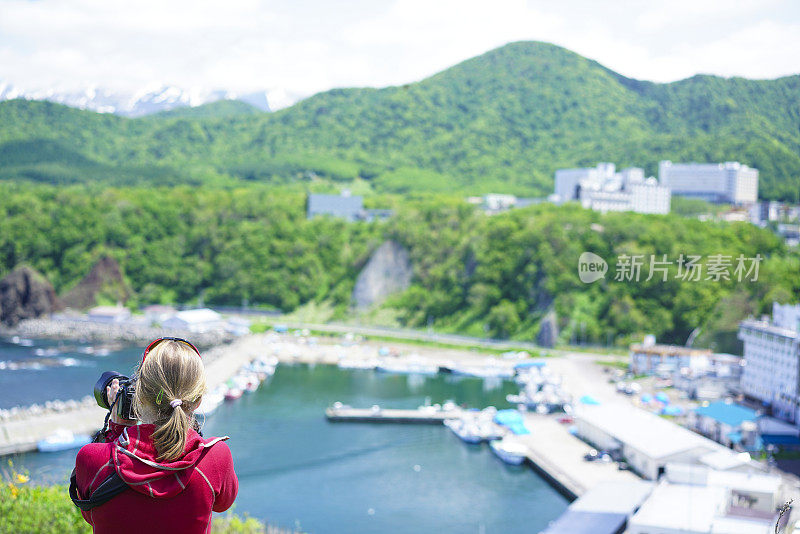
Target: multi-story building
(668, 359)
(715, 182)
(772, 354)
(603, 189)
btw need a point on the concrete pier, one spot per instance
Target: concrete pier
(357, 415)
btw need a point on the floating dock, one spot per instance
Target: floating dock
(358, 415)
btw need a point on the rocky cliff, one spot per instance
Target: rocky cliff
(104, 281)
(26, 294)
(548, 330)
(387, 271)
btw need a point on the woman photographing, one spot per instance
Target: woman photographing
(161, 474)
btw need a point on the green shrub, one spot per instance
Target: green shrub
(48, 509)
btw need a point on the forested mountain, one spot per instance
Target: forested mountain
(474, 274)
(503, 121)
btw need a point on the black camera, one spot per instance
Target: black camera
(124, 402)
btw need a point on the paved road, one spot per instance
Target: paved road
(406, 333)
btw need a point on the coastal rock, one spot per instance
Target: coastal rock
(548, 330)
(104, 280)
(388, 271)
(26, 294)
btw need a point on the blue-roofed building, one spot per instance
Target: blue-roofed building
(728, 423)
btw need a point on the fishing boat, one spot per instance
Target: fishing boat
(467, 432)
(408, 367)
(490, 431)
(357, 363)
(510, 452)
(482, 371)
(62, 440)
(233, 394)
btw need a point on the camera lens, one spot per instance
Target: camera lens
(102, 383)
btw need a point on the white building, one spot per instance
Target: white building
(646, 441)
(197, 321)
(603, 189)
(668, 359)
(771, 354)
(699, 509)
(715, 182)
(109, 314)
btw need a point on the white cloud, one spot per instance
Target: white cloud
(296, 48)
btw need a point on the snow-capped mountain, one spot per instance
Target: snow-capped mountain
(149, 100)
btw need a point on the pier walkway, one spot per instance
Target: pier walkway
(558, 456)
(357, 415)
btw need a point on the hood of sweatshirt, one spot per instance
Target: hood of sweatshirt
(135, 459)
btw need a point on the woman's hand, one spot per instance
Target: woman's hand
(111, 394)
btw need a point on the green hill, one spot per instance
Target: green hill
(503, 121)
(212, 110)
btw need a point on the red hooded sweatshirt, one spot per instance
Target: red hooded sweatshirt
(175, 496)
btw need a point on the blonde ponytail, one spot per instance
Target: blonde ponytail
(170, 437)
(171, 383)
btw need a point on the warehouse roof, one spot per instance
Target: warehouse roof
(647, 433)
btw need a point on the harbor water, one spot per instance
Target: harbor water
(298, 470)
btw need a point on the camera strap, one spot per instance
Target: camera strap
(108, 489)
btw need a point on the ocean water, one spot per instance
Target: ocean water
(296, 469)
(57, 370)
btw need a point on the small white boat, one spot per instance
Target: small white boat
(408, 367)
(62, 440)
(233, 394)
(510, 452)
(483, 371)
(357, 363)
(467, 432)
(490, 431)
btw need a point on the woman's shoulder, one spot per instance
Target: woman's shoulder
(217, 458)
(93, 453)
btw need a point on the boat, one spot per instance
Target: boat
(467, 432)
(510, 452)
(482, 371)
(408, 367)
(490, 431)
(62, 440)
(357, 363)
(233, 394)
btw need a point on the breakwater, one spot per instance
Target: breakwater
(134, 331)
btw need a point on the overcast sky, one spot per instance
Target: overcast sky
(295, 48)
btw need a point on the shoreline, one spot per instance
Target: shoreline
(79, 328)
(22, 427)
